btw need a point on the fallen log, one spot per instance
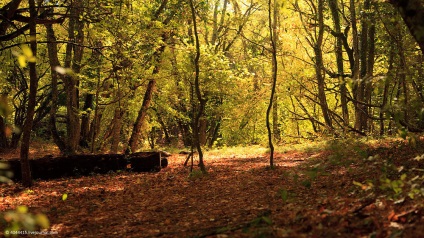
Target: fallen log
(50, 167)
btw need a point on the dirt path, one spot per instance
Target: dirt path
(307, 195)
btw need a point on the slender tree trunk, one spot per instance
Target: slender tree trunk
(136, 133)
(275, 45)
(319, 66)
(272, 24)
(95, 123)
(96, 57)
(116, 130)
(214, 132)
(85, 118)
(356, 70)
(275, 128)
(54, 62)
(73, 60)
(26, 134)
(203, 126)
(370, 70)
(402, 78)
(333, 4)
(295, 116)
(201, 101)
(389, 77)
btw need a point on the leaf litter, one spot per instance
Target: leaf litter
(322, 193)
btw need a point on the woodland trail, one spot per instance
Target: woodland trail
(308, 194)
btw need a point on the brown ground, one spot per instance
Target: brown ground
(308, 194)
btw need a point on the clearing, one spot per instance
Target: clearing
(332, 189)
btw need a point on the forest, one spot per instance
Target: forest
(212, 118)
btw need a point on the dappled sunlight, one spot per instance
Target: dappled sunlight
(304, 185)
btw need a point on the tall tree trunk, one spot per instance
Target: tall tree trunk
(389, 77)
(54, 62)
(402, 78)
(319, 66)
(26, 132)
(96, 58)
(333, 4)
(201, 101)
(73, 59)
(356, 73)
(272, 26)
(136, 132)
(366, 64)
(370, 68)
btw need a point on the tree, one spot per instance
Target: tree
(26, 135)
(338, 50)
(136, 131)
(200, 100)
(272, 24)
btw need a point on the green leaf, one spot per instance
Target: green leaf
(267, 220)
(284, 194)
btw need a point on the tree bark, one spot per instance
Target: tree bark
(54, 62)
(275, 126)
(73, 59)
(272, 26)
(136, 132)
(333, 4)
(201, 101)
(203, 126)
(386, 90)
(319, 66)
(26, 132)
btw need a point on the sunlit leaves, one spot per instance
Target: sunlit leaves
(24, 55)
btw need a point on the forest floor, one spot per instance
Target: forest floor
(333, 189)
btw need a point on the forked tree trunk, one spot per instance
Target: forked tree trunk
(201, 101)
